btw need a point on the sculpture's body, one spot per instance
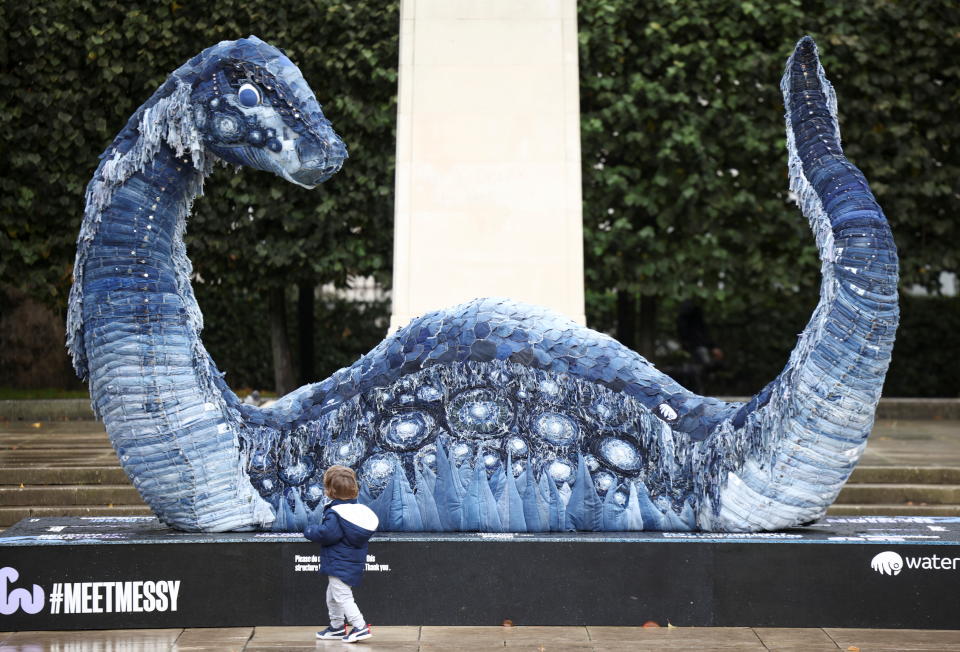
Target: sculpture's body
(489, 416)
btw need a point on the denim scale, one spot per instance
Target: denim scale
(489, 416)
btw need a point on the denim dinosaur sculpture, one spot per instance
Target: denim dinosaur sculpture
(489, 416)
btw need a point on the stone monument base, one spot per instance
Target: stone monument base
(111, 573)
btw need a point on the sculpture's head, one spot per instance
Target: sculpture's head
(253, 107)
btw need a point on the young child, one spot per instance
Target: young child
(343, 533)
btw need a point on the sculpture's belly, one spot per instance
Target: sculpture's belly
(454, 425)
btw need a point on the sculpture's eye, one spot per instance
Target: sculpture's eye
(248, 95)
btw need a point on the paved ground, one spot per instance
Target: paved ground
(411, 639)
(917, 443)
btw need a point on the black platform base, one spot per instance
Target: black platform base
(91, 573)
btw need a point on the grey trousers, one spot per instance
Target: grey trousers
(340, 604)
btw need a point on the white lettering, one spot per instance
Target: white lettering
(112, 597)
(72, 599)
(95, 594)
(162, 602)
(137, 607)
(174, 592)
(148, 601)
(86, 598)
(124, 596)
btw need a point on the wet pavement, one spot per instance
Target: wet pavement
(412, 639)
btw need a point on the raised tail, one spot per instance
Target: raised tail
(808, 428)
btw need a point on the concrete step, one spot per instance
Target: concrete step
(11, 515)
(50, 475)
(46, 409)
(878, 494)
(919, 408)
(57, 442)
(905, 475)
(77, 457)
(65, 495)
(894, 510)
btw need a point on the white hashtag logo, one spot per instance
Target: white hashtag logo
(56, 597)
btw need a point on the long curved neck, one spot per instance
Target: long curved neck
(134, 267)
(841, 360)
(144, 221)
(150, 378)
(807, 429)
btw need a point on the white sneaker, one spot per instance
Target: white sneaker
(357, 634)
(332, 633)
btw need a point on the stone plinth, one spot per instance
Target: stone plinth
(488, 199)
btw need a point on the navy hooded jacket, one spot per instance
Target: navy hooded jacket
(344, 532)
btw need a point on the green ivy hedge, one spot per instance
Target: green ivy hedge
(72, 72)
(683, 148)
(685, 187)
(241, 346)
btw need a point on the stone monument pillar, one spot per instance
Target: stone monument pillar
(488, 199)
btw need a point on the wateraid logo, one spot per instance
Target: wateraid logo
(891, 563)
(18, 598)
(887, 563)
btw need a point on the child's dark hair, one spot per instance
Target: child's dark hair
(340, 483)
